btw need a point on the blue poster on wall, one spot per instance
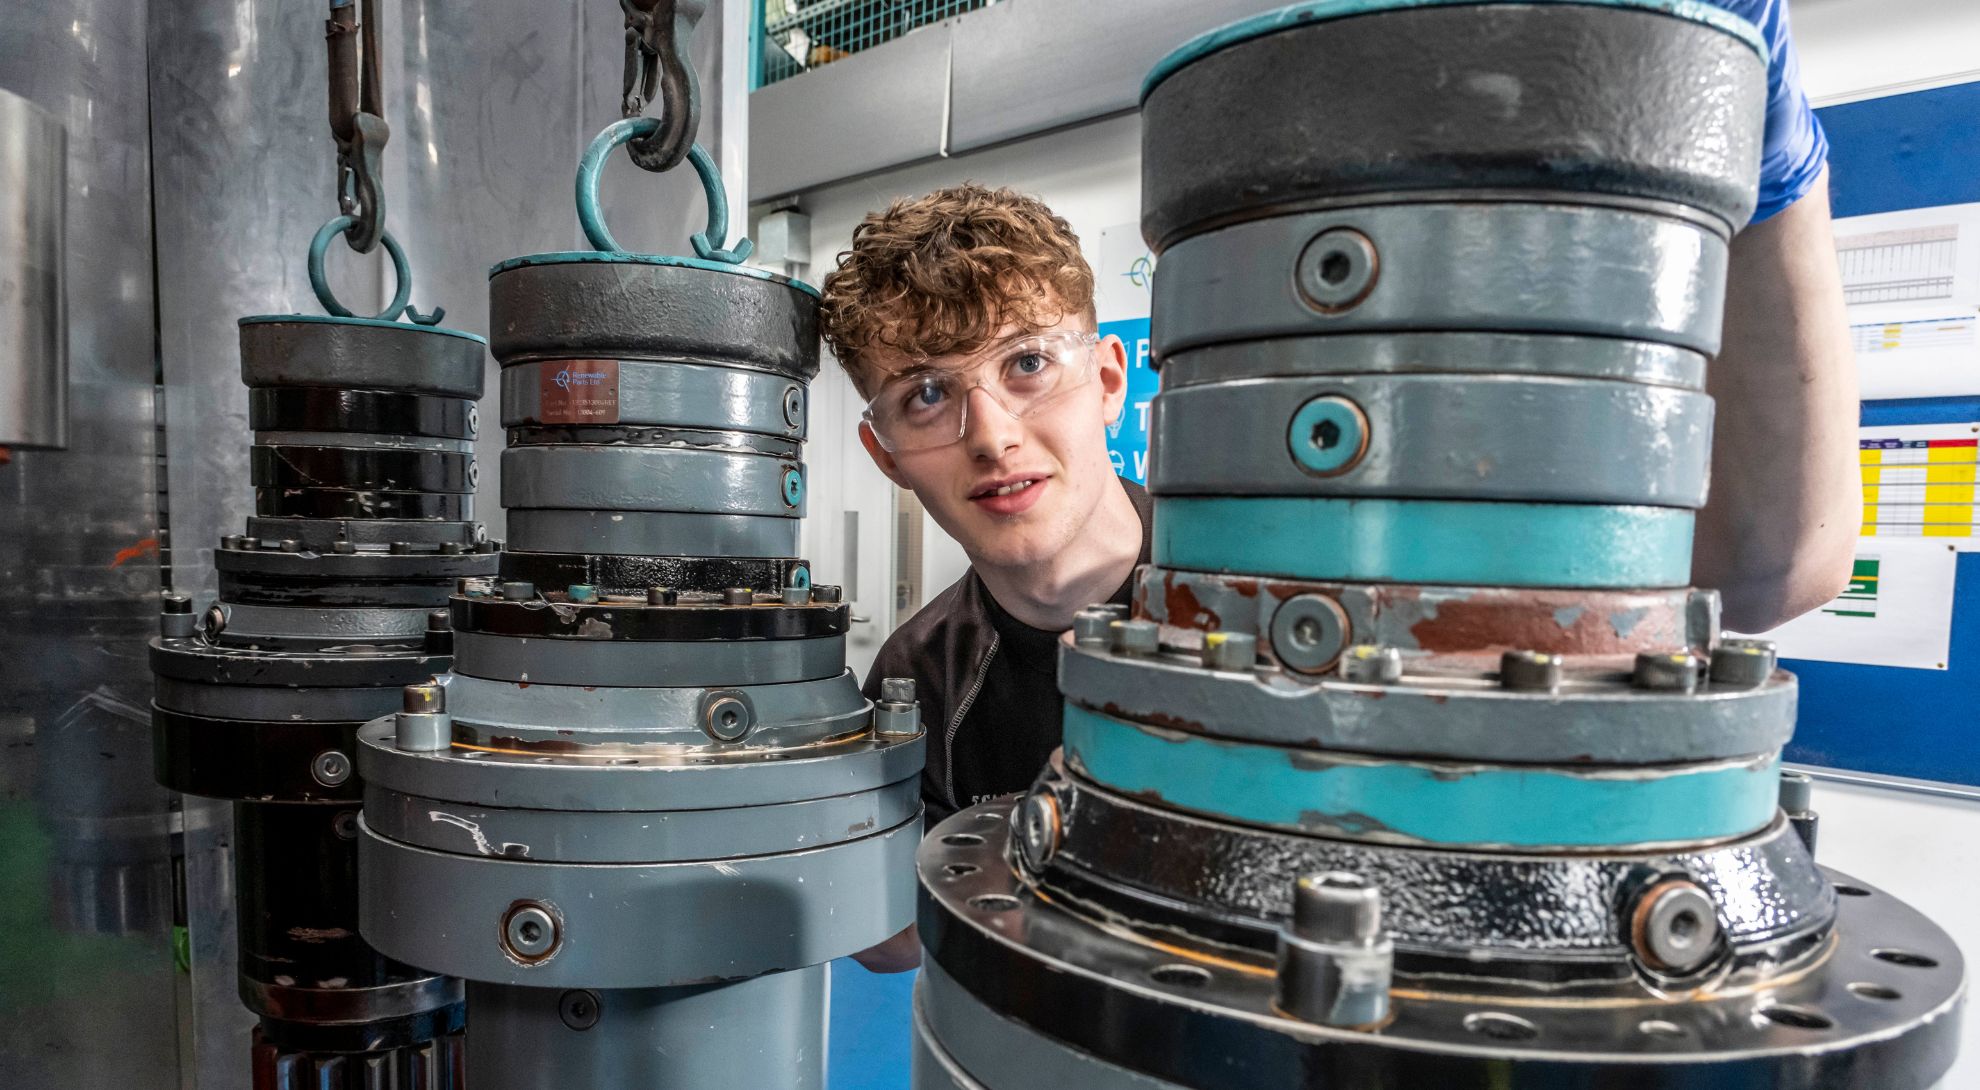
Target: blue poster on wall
(1127, 437)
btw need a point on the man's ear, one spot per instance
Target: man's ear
(880, 456)
(1113, 377)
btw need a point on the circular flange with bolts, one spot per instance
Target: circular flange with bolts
(1675, 927)
(1328, 435)
(331, 767)
(530, 932)
(1309, 632)
(1337, 270)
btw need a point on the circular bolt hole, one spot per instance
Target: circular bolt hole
(1905, 958)
(1179, 976)
(989, 815)
(1656, 1027)
(1335, 267)
(579, 1009)
(1852, 891)
(1797, 1017)
(1500, 1027)
(1685, 926)
(962, 840)
(958, 870)
(994, 902)
(1875, 991)
(531, 931)
(624, 761)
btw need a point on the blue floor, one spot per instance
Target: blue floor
(871, 1028)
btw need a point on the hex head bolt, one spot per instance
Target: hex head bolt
(1740, 663)
(175, 616)
(1135, 637)
(1371, 664)
(516, 590)
(1674, 927)
(1667, 671)
(1530, 672)
(1797, 801)
(422, 725)
(896, 711)
(1335, 961)
(662, 596)
(1232, 652)
(738, 596)
(1036, 828)
(1091, 628)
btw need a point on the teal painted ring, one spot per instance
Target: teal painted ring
(320, 283)
(1319, 11)
(1328, 435)
(593, 257)
(262, 319)
(793, 487)
(616, 135)
(1464, 543)
(1451, 805)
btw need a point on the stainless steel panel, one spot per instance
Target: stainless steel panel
(876, 109)
(34, 342)
(86, 969)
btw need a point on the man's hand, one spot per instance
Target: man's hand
(896, 955)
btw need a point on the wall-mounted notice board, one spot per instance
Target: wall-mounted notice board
(1890, 671)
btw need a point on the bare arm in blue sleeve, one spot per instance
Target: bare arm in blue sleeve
(1778, 535)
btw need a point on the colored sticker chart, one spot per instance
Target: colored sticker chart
(1918, 482)
(1896, 611)
(1911, 280)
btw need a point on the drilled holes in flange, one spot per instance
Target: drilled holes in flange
(1905, 958)
(960, 870)
(1866, 990)
(1852, 891)
(1657, 1027)
(1180, 976)
(962, 840)
(1783, 1014)
(994, 902)
(1500, 1026)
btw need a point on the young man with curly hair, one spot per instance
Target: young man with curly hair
(966, 319)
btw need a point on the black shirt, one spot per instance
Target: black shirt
(988, 687)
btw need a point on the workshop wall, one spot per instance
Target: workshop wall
(1850, 49)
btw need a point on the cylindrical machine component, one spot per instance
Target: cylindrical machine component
(34, 332)
(661, 802)
(364, 474)
(1488, 800)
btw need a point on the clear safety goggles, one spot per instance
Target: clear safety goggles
(928, 404)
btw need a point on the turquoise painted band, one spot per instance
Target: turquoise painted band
(1316, 11)
(1466, 543)
(595, 257)
(1355, 797)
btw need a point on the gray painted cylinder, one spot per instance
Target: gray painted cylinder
(653, 1037)
(34, 343)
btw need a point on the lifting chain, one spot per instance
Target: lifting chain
(357, 119)
(657, 67)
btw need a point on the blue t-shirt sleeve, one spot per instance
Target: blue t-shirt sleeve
(1795, 149)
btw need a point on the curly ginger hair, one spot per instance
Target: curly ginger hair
(943, 273)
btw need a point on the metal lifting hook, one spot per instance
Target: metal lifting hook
(657, 66)
(357, 119)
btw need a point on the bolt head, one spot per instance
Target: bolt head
(1035, 823)
(1530, 671)
(662, 596)
(1675, 927)
(1309, 632)
(738, 596)
(829, 595)
(727, 718)
(343, 548)
(1091, 627)
(452, 548)
(330, 768)
(174, 602)
(580, 1008)
(1371, 664)
(516, 590)
(1740, 663)
(897, 690)
(1667, 671)
(424, 697)
(1337, 907)
(530, 932)
(1797, 792)
(1135, 637)
(1233, 652)
(797, 596)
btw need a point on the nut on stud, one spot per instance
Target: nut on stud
(1740, 663)
(1530, 672)
(516, 590)
(662, 596)
(422, 725)
(896, 711)
(1667, 671)
(738, 596)
(1233, 652)
(1134, 637)
(582, 593)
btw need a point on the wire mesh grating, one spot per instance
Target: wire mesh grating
(797, 35)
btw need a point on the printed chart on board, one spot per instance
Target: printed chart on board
(1911, 280)
(1918, 482)
(1124, 277)
(1896, 611)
